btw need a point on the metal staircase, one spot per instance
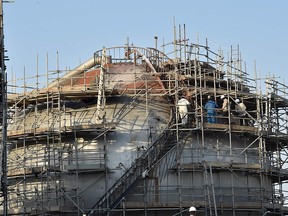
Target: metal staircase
(144, 164)
(130, 178)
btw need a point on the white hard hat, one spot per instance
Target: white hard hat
(192, 209)
(222, 96)
(237, 100)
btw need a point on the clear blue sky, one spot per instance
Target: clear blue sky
(77, 28)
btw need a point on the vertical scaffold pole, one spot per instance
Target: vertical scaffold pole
(3, 117)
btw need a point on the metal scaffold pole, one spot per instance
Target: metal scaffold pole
(3, 118)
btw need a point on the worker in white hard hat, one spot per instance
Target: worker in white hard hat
(241, 110)
(210, 107)
(183, 104)
(192, 210)
(225, 108)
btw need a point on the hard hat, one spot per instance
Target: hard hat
(222, 96)
(237, 100)
(192, 209)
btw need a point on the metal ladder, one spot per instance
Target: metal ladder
(101, 90)
(208, 174)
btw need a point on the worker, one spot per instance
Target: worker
(240, 109)
(225, 108)
(183, 104)
(192, 210)
(210, 107)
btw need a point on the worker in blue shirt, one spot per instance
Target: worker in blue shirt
(210, 107)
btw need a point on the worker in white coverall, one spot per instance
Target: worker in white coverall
(183, 104)
(241, 111)
(225, 109)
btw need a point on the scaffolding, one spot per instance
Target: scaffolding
(106, 138)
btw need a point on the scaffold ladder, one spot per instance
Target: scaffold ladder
(210, 190)
(53, 146)
(101, 90)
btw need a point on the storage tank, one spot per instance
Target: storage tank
(107, 139)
